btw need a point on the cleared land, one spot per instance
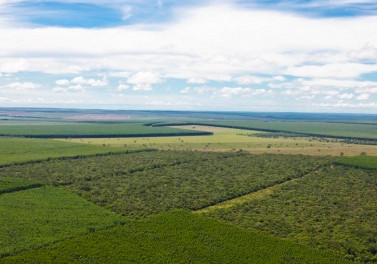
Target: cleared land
(227, 139)
(176, 237)
(334, 208)
(39, 216)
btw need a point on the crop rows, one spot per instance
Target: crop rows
(176, 237)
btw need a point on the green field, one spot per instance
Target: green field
(18, 150)
(74, 130)
(8, 185)
(334, 208)
(367, 162)
(176, 237)
(141, 184)
(227, 139)
(35, 217)
(340, 130)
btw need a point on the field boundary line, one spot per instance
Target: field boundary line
(21, 188)
(81, 156)
(262, 193)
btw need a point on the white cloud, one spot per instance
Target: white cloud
(143, 81)
(62, 82)
(20, 86)
(122, 87)
(346, 96)
(362, 97)
(198, 80)
(127, 12)
(279, 78)
(96, 83)
(185, 90)
(248, 79)
(228, 92)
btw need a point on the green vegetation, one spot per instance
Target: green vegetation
(39, 216)
(337, 130)
(362, 161)
(227, 139)
(8, 185)
(19, 150)
(334, 208)
(75, 130)
(145, 183)
(176, 237)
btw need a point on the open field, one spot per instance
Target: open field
(8, 185)
(18, 150)
(176, 237)
(35, 217)
(227, 139)
(141, 184)
(367, 162)
(74, 130)
(325, 129)
(333, 208)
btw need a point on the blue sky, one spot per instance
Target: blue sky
(309, 56)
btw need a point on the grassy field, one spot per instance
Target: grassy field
(342, 130)
(16, 150)
(334, 208)
(227, 139)
(176, 237)
(74, 130)
(8, 185)
(368, 162)
(141, 184)
(35, 217)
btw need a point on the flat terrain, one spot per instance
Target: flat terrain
(75, 189)
(38, 216)
(176, 237)
(332, 208)
(16, 150)
(228, 139)
(79, 129)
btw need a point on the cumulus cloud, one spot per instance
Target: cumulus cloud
(62, 82)
(20, 86)
(143, 81)
(122, 87)
(299, 57)
(248, 79)
(228, 92)
(78, 84)
(362, 97)
(346, 96)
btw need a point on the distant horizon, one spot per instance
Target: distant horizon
(192, 111)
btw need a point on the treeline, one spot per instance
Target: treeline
(193, 133)
(69, 157)
(9, 185)
(352, 132)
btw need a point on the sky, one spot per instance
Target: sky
(229, 55)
